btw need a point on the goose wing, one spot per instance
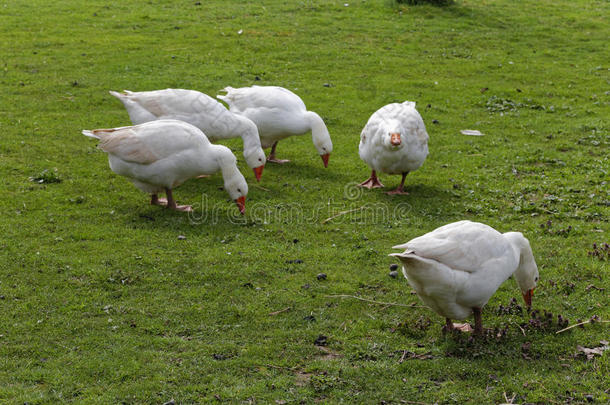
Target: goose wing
(264, 97)
(465, 246)
(149, 142)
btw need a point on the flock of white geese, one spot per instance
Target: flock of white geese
(454, 269)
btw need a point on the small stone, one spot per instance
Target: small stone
(257, 78)
(295, 261)
(321, 340)
(321, 276)
(295, 241)
(393, 266)
(435, 122)
(181, 237)
(589, 397)
(393, 274)
(305, 286)
(327, 85)
(170, 402)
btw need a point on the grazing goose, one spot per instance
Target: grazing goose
(393, 141)
(160, 155)
(197, 109)
(278, 113)
(456, 268)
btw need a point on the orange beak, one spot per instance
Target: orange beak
(258, 172)
(527, 297)
(241, 204)
(395, 139)
(325, 159)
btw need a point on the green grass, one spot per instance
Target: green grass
(102, 303)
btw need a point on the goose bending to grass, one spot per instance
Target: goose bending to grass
(278, 113)
(197, 109)
(160, 155)
(456, 268)
(393, 141)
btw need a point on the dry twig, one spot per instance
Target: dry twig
(375, 302)
(519, 326)
(580, 323)
(280, 311)
(341, 213)
(260, 187)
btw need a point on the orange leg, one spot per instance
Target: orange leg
(371, 182)
(400, 189)
(272, 157)
(171, 203)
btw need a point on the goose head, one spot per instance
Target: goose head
(234, 182)
(253, 152)
(255, 158)
(237, 188)
(526, 273)
(324, 148)
(392, 136)
(320, 136)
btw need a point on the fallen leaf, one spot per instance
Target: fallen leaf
(328, 354)
(591, 352)
(471, 132)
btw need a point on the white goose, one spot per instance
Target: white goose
(161, 155)
(456, 268)
(393, 141)
(278, 113)
(197, 109)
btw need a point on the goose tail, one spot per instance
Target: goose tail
(225, 97)
(90, 134)
(121, 95)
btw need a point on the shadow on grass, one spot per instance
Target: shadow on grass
(485, 16)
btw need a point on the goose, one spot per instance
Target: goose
(200, 110)
(456, 268)
(278, 113)
(160, 155)
(394, 141)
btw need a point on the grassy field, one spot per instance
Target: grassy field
(102, 302)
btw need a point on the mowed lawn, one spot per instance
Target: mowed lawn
(106, 299)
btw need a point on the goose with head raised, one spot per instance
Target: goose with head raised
(278, 113)
(394, 141)
(160, 155)
(455, 269)
(200, 110)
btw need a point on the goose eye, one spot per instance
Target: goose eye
(239, 190)
(536, 279)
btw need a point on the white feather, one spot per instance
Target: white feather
(165, 153)
(459, 266)
(197, 109)
(375, 148)
(278, 113)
